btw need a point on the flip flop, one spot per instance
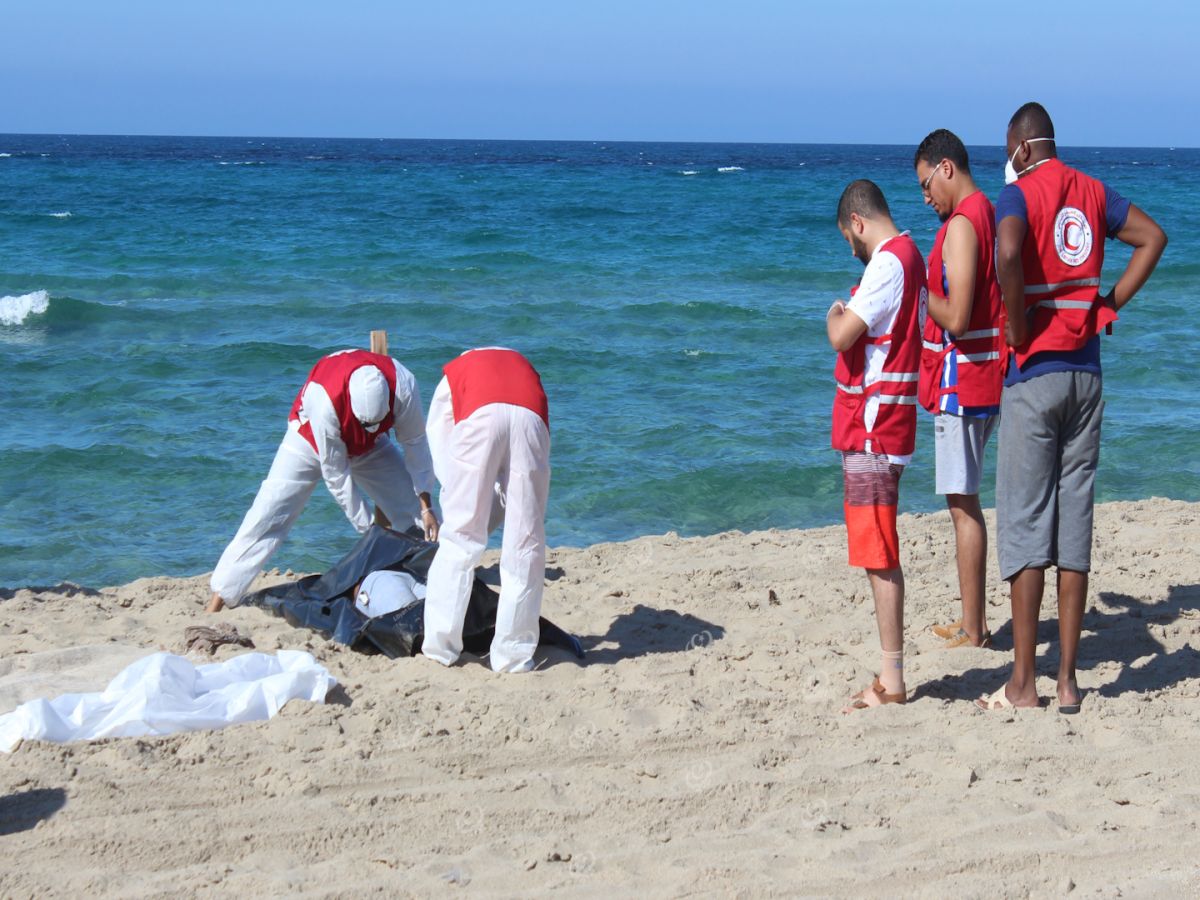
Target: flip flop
(946, 632)
(994, 701)
(875, 695)
(961, 639)
(1071, 709)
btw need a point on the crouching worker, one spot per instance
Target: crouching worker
(489, 430)
(878, 339)
(338, 431)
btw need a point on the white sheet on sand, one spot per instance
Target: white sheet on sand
(165, 693)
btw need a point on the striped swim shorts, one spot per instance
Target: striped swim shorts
(872, 489)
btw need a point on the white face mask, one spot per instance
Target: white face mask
(1010, 173)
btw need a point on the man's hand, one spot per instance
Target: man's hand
(1148, 241)
(842, 328)
(429, 522)
(215, 605)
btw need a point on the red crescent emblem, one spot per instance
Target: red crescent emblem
(1067, 242)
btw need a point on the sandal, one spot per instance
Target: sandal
(961, 639)
(946, 632)
(875, 695)
(997, 700)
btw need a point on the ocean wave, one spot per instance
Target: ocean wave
(5, 155)
(60, 215)
(15, 310)
(689, 172)
(730, 169)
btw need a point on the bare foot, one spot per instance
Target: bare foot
(215, 605)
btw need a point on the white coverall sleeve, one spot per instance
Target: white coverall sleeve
(409, 426)
(335, 462)
(438, 428)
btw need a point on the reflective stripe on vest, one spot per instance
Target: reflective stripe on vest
(1031, 289)
(1062, 304)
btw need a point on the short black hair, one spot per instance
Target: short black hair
(1031, 121)
(939, 145)
(863, 197)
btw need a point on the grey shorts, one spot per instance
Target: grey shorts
(1046, 471)
(958, 443)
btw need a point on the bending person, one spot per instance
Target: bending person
(489, 429)
(338, 431)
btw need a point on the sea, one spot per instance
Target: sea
(162, 299)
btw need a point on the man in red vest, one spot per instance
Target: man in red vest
(1051, 224)
(489, 430)
(338, 431)
(961, 361)
(878, 339)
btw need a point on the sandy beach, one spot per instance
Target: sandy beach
(698, 750)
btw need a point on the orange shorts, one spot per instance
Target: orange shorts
(872, 489)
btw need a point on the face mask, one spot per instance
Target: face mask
(1010, 173)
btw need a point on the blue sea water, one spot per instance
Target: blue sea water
(163, 299)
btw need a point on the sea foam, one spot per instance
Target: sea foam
(730, 169)
(15, 310)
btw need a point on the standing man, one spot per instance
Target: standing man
(489, 428)
(1051, 225)
(878, 339)
(337, 431)
(961, 361)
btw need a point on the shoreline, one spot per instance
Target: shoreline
(698, 749)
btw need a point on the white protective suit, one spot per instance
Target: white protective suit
(493, 466)
(392, 479)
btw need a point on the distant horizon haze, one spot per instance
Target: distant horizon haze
(767, 71)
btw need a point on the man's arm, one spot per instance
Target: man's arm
(409, 428)
(843, 326)
(438, 428)
(960, 253)
(1148, 241)
(874, 302)
(1010, 237)
(335, 461)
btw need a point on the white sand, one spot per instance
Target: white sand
(699, 751)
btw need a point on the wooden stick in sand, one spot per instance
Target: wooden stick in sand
(379, 345)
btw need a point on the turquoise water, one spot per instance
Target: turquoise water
(672, 296)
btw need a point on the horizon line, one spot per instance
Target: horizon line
(283, 137)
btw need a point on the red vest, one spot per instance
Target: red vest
(980, 349)
(494, 375)
(1062, 258)
(333, 372)
(895, 428)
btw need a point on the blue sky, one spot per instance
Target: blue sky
(760, 70)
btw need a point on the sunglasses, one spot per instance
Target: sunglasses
(925, 184)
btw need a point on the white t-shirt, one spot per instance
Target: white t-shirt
(877, 302)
